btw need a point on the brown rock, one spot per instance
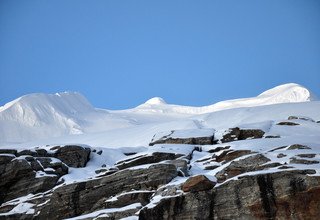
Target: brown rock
(229, 155)
(198, 183)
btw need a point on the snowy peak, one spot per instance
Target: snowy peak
(286, 93)
(65, 101)
(41, 115)
(156, 101)
(290, 92)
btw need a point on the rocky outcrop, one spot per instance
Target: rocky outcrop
(298, 147)
(172, 138)
(73, 156)
(234, 134)
(146, 159)
(34, 171)
(80, 198)
(269, 196)
(288, 123)
(266, 196)
(221, 181)
(19, 177)
(198, 205)
(248, 164)
(229, 155)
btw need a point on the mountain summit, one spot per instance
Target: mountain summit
(37, 116)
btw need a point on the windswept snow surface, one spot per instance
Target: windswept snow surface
(61, 118)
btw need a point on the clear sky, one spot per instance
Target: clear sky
(120, 53)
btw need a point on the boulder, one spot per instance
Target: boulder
(198, 183)
(73, 155)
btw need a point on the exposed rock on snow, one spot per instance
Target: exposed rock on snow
(194, 136)
(236, 133)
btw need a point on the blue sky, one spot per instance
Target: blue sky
(121, 53)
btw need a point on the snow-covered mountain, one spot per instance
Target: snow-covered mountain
(253, 158)
(41, 116)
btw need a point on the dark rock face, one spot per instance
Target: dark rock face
(73, 156)
(197, 205)
(57, 167)
(269, 196)
(234, 134)
(250, 134)
(18, 178)
(198, 183)
(8, 151)
(79, 198)
(146, 159)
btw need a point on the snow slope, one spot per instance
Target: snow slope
(68, 117)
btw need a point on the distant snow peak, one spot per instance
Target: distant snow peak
(290, 92)
(156, 101)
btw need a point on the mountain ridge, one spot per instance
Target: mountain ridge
(41, 116)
